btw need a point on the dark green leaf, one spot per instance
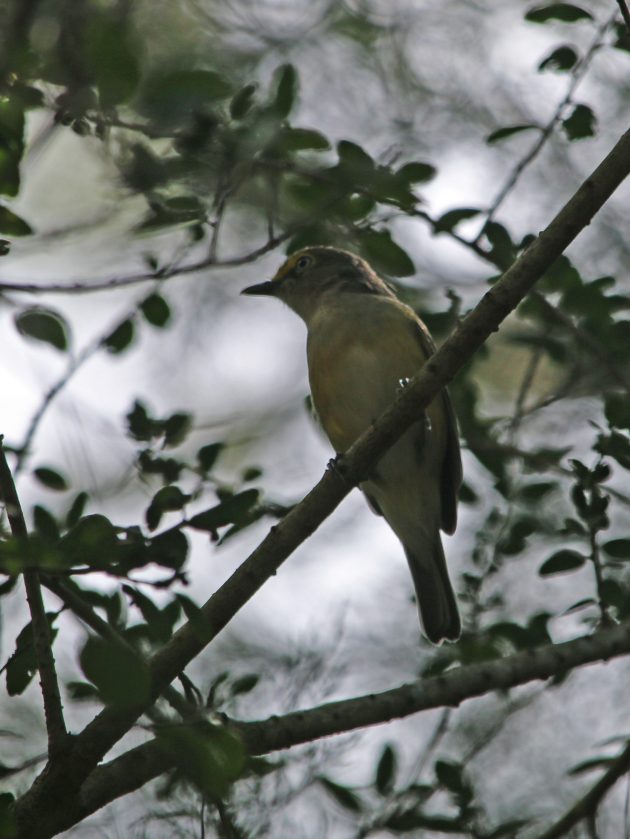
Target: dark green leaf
(416, 172)
(173, 98)
(447, 222)
(411, 819)
(22, 665)
(50, 478)
(11, 224)
(81, 692)
(242, 101)
(286, 84)
(169, 549)
(120, 674)
(589, 765)
(384, 254)
(580, 123)
(92, 541)
(166, 499)
(534, 492)
(45, 524)
(114, 64)
(509, 131)
(120, 338)
(230, 511)
(386, 771)
(450, 775)
(244, 684)
(561, 562)
(76, 509)
(345, 797)
(561, 60)
(209, 756)
(617, 410)
(176, 428)
(622, 37)
(566, 12)
(43, 325)
(300, 139)
(618, 548)
(156, 310)
(141, 426)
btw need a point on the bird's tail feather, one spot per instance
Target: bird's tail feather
(436, 600)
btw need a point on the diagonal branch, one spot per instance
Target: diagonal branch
(587, 806)
(60, 783)
(42, 642)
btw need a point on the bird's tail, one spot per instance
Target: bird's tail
(436, 600)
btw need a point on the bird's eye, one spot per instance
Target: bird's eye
(302, 263)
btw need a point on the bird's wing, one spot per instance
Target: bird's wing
(452, 464)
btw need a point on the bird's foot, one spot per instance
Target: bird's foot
(335, 464)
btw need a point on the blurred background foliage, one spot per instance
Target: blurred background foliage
(157, 157)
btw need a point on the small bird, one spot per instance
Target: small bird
(363, 345)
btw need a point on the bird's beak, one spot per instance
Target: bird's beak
(268, 288)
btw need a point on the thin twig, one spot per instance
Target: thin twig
(577, 74)
(42, 642)
(589, 803)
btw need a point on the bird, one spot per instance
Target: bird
(363, 346)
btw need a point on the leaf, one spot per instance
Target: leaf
(386, 771)
(536, 491)
(120, 674)
(618, 548)
(207, 455)
(156, 310)
(92, 541)
(165, 500)
(286, 84)
(509, 131)
(231, 510)
(300, 139)
(76, 509)
(580, 123)
(141, 426)
(244, 684)
(560, 60)
(450, 775)
(384, 254)
(565, 12)
(417, 172)
(43, 325)
(50, 478)
(22, 664)
(617, 410)
(345, 797)
(169, 549)
(112, 56)
(242, 101)
(561, 562)
(210, 756)
(13, 225)
(588, 765)
(447, 222)
(120, 338)
(45, 524)
(173, 98)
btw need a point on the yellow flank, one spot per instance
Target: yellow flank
(346, 357)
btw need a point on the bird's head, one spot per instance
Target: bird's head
(312, 275)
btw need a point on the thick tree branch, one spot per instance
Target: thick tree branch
(54, 788)
(42, 642)
(143, 763)
(587, 806)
